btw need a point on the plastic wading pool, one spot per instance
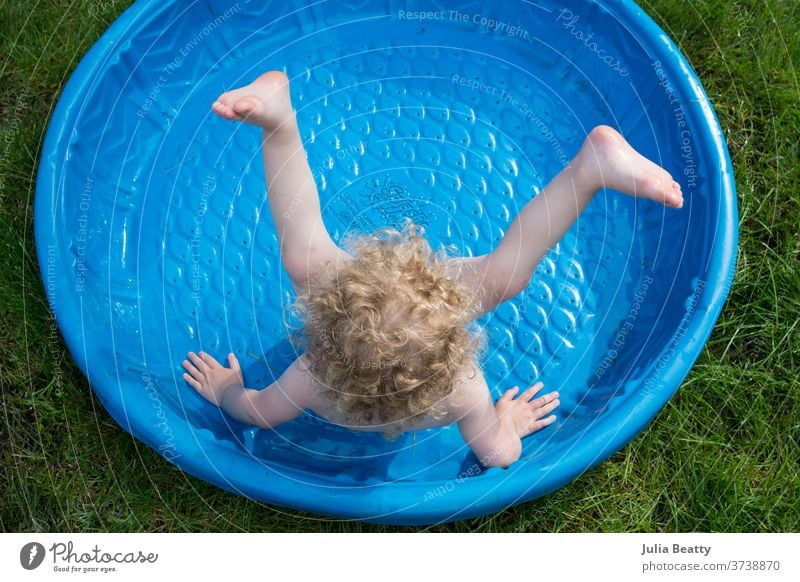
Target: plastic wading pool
(154, 235)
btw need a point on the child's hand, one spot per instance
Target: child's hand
(524, 415)
(210, 378)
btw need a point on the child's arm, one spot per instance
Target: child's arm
(494, 432)
(281, 401)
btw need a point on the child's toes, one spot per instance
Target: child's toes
(226, 112)
(651, 186)
(244, 106)
(220, 109)
(666, 191)
(676, 196)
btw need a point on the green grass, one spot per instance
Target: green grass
(723, 455)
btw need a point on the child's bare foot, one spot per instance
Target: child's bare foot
(265, 102)
(524, 415)
(607, 158)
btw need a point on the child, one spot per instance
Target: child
(388, 345)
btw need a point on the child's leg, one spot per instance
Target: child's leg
(604, 160)
(305, 243)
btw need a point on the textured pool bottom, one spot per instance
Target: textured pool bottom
(164, 242)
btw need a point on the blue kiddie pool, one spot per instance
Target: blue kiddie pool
(154, 235)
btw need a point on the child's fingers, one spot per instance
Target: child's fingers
(209, 359)
(191, 381)
(542, 400)
(194, 372)
(233, 362)
(528, 394)
(509, 394)
(539, 424)
(547, 408)
(198, 361)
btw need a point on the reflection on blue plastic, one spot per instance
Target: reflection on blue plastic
(154, 236)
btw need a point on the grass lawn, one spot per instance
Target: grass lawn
(723, 455)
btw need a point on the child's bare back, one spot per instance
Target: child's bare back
(493, 430)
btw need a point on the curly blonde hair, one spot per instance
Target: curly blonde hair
(386, 333)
